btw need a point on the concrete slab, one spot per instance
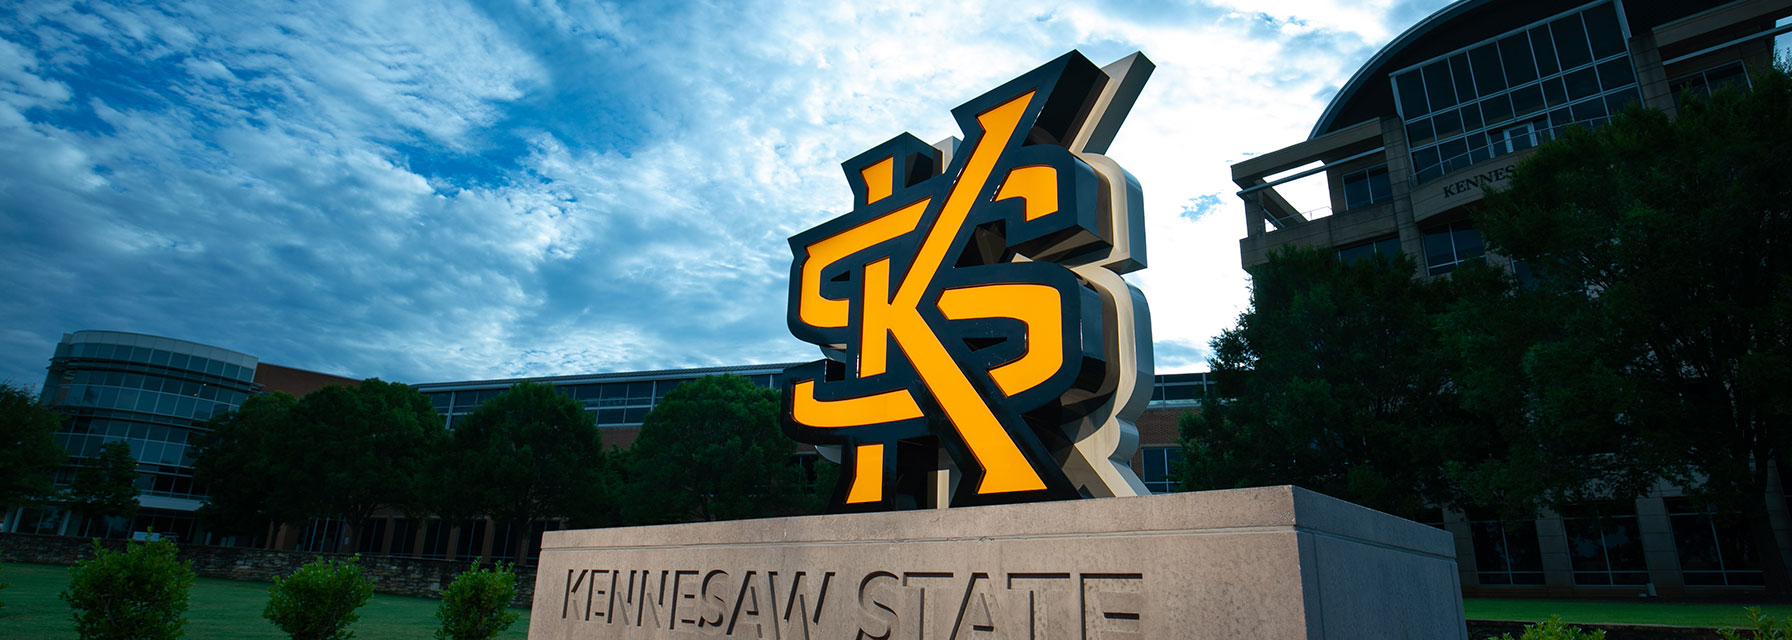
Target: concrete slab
(1273, 562)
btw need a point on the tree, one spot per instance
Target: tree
(28, 451)
(244, 471)
(712, 450)
(107, 485)
(1330, 381)
(527, 454)
(318, 601)
(1666, 246)
(140, 594)
(364, 447)
(339, 452)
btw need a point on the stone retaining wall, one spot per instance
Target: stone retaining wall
(391, 574)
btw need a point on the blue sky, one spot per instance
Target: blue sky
(454, 190)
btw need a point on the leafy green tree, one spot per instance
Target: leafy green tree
(318, 601)
(364, 447)
(528, 454)
(28, 451)
(107, 485)
(140, 594)
(241, 464)
(1665, 246)
(1331, 381)
(712, 450)
(476, 606)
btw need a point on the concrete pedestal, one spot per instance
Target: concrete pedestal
(1273, 562)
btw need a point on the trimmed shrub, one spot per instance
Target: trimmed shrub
(1554, 629)
(140, 594)
(318, 601)
(476, 606)
(1765, 627)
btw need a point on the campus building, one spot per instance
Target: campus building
(1450, 107)
(154, 394)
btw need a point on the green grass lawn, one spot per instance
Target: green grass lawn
(1637, 611)
(219, 609)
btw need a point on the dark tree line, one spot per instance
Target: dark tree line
(1653, 341)
(709, 450)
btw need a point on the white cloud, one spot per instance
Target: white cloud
(433, 192)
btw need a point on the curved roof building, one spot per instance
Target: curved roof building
(1454, 102)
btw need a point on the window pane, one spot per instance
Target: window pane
(1356, 191)
(1471, 117)
(1545, 50)
(1438, 251)
(1527, 100)
(1588, 110)
(1419, 132)
(1486, 63)
(1602, 31)
(1571, 42)
(1425, 158)
(1615, 73)
(1555, 92)
(1616, 102)
(1497, 109)
(1582, 83)
(1379, 188)
(1468, 242)
(1455, 154)
(1515, 51)
(1412, 95)
(1465, 84)
(1447, 124)
(1438, 88)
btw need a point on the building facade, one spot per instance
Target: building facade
(155, 394)
(1405, 150)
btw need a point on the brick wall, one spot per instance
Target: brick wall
(397, 575)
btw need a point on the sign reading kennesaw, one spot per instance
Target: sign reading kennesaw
(972, 304)
(1457, 189)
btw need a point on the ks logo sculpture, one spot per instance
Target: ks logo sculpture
(972, 304)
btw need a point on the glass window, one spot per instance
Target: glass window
(1545, 51)
(1603, 32)
(1527, 100)
(634, 415)
(1554, 92)
(609, 416)
(1582, 83)
(177, 361)
(1419, 132)
(641, 392)
(1449, 246)
(1454, 153)
(1471, 117)
(1489, 78)
(1464, 79)
(1412, 94)
(158, 358)
(1506, 553)
(615, 390)
(1438, 88)
(1159, 471)
(1615, 73)
(1497, 109)
(1605, 545)
(1515, 52)
(1366, 187)
(1447, 124)
(1571, 42)
(471, 541)
(1387, 246)
(1616, 102)
(1715, 548)
(1587, 111)
(372, 532)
